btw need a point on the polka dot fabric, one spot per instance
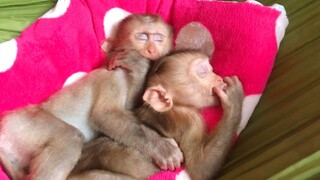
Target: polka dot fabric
(64, 44)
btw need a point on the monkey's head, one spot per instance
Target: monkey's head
(148, 34)
(182, 79)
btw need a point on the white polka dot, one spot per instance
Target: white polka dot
(111, 20)
(8, 54)
(74, 77)
(183, 175)
(281, 23)
(249, 104)
(254, 2)
(59, 10)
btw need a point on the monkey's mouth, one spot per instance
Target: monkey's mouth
(154, 58)
(224, 87)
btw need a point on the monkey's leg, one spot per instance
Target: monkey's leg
(46, 147)
(57, 158)
(59, 155)
(100, 175)
(123, 127)
(115, 159)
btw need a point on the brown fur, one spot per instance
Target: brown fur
(173, 101)
(44, 141)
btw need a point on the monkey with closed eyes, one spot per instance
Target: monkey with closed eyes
(178, 87)
(173, 102)
(99, 103)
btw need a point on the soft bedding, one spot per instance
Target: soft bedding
(64, 44)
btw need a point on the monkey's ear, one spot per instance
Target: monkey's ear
(158, 98)
(106, 45)
(195, 36)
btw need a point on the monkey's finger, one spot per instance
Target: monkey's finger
(162, 165)
(238, 82)
(178, 159)
(235, 83)
(229, 80)
(111, 64)
(178, 154)
(235, 80)
(177, 163)
(220, 93)
(171, 165)
(181, 157)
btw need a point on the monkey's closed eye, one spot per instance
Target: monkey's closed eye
(158, 37)
(141, 36)
(202, 70)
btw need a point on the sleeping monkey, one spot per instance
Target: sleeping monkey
(99, 103)
(173, 101)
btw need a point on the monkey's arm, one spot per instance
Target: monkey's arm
(138, 67)
(127, 59)
(123, 127)
(216, 147)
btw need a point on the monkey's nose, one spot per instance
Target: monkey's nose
(151, 51)
(152, 54)
(219, 79)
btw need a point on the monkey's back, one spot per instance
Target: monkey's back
(73, 104)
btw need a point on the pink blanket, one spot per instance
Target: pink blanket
(64, 44)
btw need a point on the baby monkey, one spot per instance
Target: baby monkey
(149, 35)
(138, 38)
(45, 141)
(178, 87)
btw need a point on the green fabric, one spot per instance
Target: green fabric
(282, 138)
(16, 15)
(308, 168)
(270, 154)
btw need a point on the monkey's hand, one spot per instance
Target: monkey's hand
(130, 60)
(163, 151)
(166, 154)
(232, 98)
(117, 59)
